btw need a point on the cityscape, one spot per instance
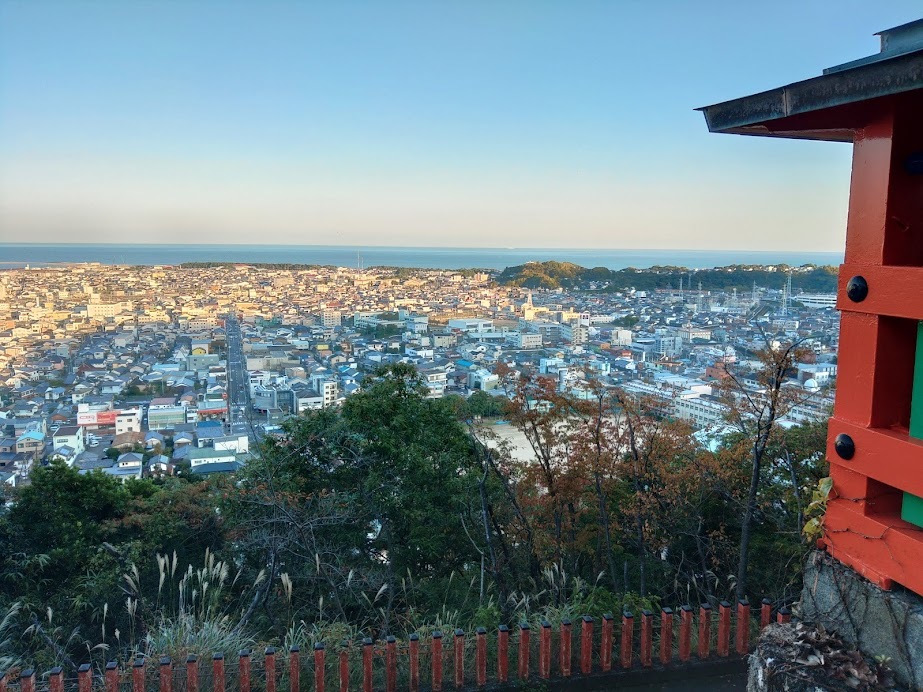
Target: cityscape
(458, 345)
(140, 371)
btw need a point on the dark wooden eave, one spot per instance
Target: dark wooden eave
(829, 107)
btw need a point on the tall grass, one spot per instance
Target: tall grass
(193, 613)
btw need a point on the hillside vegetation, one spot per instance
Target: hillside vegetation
(808, 278)
(391, 515)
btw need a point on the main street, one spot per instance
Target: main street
(240, 412)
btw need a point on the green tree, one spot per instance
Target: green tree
(378, 489)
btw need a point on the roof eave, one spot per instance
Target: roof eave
(763, 114)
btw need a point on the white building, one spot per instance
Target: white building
(472, 326)
(575, 333)
(527, 340)
(326, 386)
(621, 337)
(483, 379)
(69, 436)
(436, 381)
(331, 318)
(128, 420)
(699, 411)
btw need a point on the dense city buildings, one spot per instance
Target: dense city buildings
(157, 370)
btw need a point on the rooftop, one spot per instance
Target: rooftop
(845, 93)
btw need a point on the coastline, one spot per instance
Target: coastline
(18, 255)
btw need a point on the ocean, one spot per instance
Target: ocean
(34, 254)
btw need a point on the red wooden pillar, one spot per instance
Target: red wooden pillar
(85, 678)
(414, 662)
(586, 645)
(137, 675)
(742, 640)
(704, 630)
(647, 638)
(111, 678)
(524, 651)
(367, 666)
(628, 635)
(605, 644)
(666, 636)
(27, 679)
(784, 615)
(765, 613)
(192, 675)
(544, 651)
(685, 633)
(344, 667)
(503, 653)
(565, 657)
(724, 628)
(459, 659)
(56, 679)
(320, 669)
(218, 679)
(294, 668)
(436, 662)
(391, 664)
(269, 667)
(244, 669)
(480, 657)
(876, 359)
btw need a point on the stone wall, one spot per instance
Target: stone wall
(880, 623)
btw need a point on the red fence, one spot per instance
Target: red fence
(471, 661)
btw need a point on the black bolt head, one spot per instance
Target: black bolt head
(913, 164)
(844, 446)
(857, 289)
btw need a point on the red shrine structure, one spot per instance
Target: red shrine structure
(874, 520)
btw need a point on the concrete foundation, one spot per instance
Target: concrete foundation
(879, 623)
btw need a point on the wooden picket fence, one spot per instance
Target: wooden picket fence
(475, 662)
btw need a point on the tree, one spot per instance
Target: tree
(756, 414)
(542, 414)
(379, 488)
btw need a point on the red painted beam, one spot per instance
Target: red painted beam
(437, 662)
(605, 646)
(523, 651)
(883, 455)
(218, 676)
(892, 291)
(414, 662)
(565, 650)
(628, 634)
(586, 645)
(320, 669)
(480, 657)
(544, 651)
(344, 669)
(704, 631)
(685, 633)
(294, 667)
(742, 638)
(243, 670)
(503, 653)
(724, 628)
(647, 637)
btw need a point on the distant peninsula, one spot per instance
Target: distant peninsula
(808, 278)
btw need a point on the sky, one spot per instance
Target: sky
(457, 124)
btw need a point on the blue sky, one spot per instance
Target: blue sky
(539, 124)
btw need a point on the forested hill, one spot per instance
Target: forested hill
(809, 278)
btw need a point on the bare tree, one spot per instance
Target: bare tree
(755, 412)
